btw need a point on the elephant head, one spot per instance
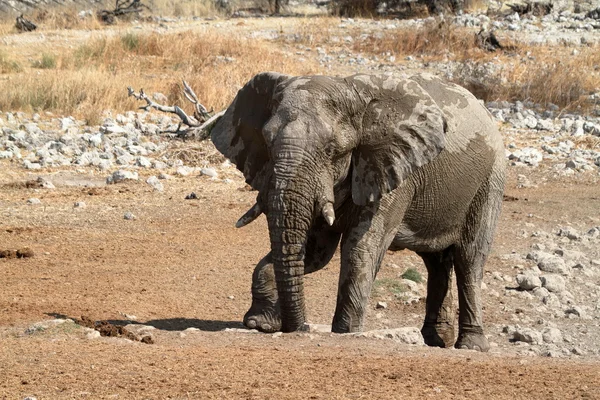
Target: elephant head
(297, 140)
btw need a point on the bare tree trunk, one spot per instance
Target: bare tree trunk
(442, 6)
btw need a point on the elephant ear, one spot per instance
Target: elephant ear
(238, 133)
(403, 129)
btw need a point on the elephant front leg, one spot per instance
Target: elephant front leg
(361, 258)
(438, 328)
(264, 313)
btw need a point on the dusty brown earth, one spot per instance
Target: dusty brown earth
(181, 264)
(180, 272)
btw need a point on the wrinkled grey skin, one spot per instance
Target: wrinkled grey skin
(406, 163)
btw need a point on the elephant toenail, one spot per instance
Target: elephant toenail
(251, 324)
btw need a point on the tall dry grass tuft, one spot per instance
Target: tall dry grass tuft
(541, 74)
(8, 65)
(434, 39)
(63, 17)
(184, 8)
(95, 76)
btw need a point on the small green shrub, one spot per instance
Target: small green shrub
(7, 65)
(393, 286)
(412, 275)
(131, 41)
(48, 61)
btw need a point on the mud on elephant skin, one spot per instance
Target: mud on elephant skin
(371, 163)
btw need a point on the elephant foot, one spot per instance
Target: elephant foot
(472, 340)
(438, 335)
(264, 317)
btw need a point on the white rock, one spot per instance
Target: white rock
(412, 285)
(316, 328)
(92, 334)
(528, 281)
(46, 184)
(184, 170)
(113, 129)
(554, 283)
(541, 292)
(31, 165)
(407, 335)
(155, 183)
(33, 200)
(159, 164)
(552, 335)
(96, 140)
(129, 216)
(122, 175)
(528, 335)
(381, 305)
(576, 311)
(79, 204)
(553, 264)
(143, 162)
(209, 172)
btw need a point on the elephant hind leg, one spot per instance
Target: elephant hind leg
(470, 256)
(438, 328)
(264, 313)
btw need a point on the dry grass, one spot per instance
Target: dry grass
(433, 40)
(94, 76)
(541, 74)
(184, 8)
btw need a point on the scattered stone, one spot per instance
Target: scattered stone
(192, 196)
(577, 351)
(381, 305)
(184, 170)
(79, 204)
(575, 311)
(316, 328)
(552, 264)
(155, 183)
(528, 281)
(407, 335)
(34, 200)
(554, 283)
(143, 162)
(121, 176)
(209, 172)
(31, 165)
(552, 335)
(46, 184)
(528, 335)
(129, 216)
(164, 176)
(93, 334)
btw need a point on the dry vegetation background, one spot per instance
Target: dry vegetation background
(90, 76)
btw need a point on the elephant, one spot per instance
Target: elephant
(373, 163)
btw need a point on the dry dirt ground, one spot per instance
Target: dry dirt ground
(182, 271)
(181, 264)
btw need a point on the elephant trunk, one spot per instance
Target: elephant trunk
(291, 207)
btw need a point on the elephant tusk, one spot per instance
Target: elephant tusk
(250, 216)
(328, 213)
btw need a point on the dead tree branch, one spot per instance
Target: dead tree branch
(25, 25)
(122, 8)
(199, 125)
